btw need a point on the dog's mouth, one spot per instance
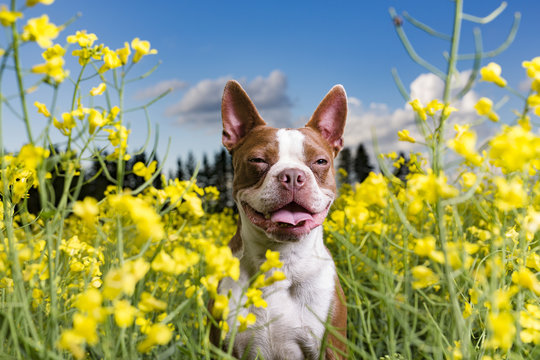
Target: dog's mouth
(291, 219)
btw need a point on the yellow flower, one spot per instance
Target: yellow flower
(254, 296)
(426, 247)
(87, 210)
(275, 277)
(149, 303)
(141, 170)
(98, 90)
(464, 144)
(418, 108)
(8, 17)
(42, 109)
(157, 334)
(54, 62)
(403, 135)
(484, 108)
(525, 277)
(492, 73)
(82, 38)
(86, 327)
(502, 329)
(515, 149)
(110, 60)
(250, 319)
(533, 68)
(72, 342)
(510, 194)
(143, 216)
(141, 48)
(123, 280)
(41, 31)
(430, 187)
(468, 179)
(433, 106)
(123, 53)
(31, 3)
(95, 119)
(220, 309)
(272, 261)
(530, 323)
(424, 277)
(124, 313)
(90, 302)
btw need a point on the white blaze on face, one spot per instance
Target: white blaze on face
(291, 147)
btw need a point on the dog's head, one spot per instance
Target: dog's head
(284, 179)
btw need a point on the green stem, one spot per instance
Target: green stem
(437, 168)
(18, 74)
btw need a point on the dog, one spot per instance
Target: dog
(283, 185)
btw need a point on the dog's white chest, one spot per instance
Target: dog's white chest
(293, 323)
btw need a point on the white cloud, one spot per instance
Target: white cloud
(201, 104)
(159, 88)
(377, 119)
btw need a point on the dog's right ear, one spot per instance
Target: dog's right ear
(238, 113)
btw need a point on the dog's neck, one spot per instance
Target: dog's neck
(256, 242)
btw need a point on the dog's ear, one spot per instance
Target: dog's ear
(329, 117)
(238, 113)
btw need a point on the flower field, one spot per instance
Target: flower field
(443, 264)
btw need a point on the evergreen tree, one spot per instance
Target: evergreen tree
(362, 167)
(191, 164)
(206, 173)
(180, 173)
(345, 163)
(402, 171)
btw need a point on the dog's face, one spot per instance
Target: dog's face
(284, 180)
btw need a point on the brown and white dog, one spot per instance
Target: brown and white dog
(284, 184)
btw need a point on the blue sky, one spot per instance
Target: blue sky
(287, 54)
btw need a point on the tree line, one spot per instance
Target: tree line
(215, 170)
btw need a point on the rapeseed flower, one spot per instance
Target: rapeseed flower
(418, 108)
(87, 210)
(424, 277)
(529, 320)
(484, 107)
(31, 3)
(510, 194)
(123, 53)
(141, 48)
(404, 135)
(140, 169)
(533, 68)
(464, 143)
(157, 334)
(124, 313)
(8, 17)
(54, 64)
(82, 38)
(42, 109)
(503, 330)
(272, 261)
(98, 90)
(492, 73)
(515, 149)
(246, 321)
(41, 31)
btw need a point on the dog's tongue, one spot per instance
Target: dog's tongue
(291, 214)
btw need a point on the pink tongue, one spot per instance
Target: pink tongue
(291, 214)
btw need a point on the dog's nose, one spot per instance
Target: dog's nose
(292, 179)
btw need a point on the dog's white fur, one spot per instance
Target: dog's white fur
(292, 325)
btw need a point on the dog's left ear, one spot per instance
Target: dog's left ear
(329, 117)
